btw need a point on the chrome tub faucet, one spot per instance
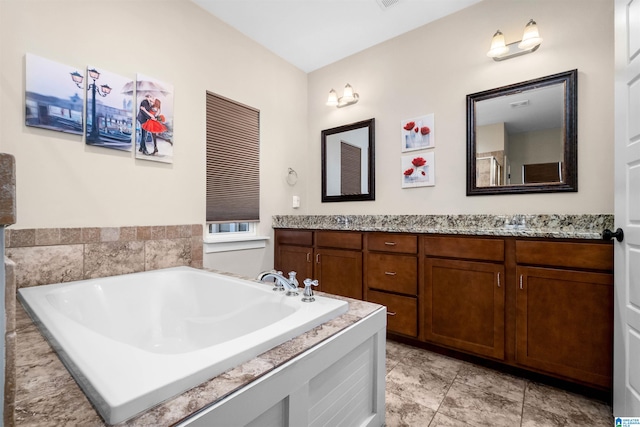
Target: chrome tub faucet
(282, 283)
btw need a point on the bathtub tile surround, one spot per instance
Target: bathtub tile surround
(47, 395)
(10, 342)
(585, 226)
(56, 255)
(471, 395)
(7, 189)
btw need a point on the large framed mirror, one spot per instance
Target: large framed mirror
(523, 138)
(348, 161)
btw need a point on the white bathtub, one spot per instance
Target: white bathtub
(135, 340)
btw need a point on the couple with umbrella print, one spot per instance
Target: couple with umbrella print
(151, 120)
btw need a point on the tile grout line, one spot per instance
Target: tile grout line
(445, 395)
(524, 392)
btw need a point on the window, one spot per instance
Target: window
(233, 156)
(233, 170)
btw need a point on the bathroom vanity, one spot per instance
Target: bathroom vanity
(538, 298)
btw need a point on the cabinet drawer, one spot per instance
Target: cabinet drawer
(402, 312)
(593, 256)
(465, 247)
(294, 237)
(338, 239)
(388, 242)
(397, 273)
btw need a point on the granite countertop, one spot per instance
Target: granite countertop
(46, 394)
(586, 226)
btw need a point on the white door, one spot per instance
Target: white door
(626, 381)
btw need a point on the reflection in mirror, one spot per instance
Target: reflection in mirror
(347, 162)
(522, 138)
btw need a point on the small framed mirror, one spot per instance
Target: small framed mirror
(348, 160)
(523, 138)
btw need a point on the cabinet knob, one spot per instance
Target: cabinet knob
(390, 273)
(608, 234)
(390, 243)
(391, 313)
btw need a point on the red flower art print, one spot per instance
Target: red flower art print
(418, 161)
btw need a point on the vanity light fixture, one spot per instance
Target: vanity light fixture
(530, 42)
(349, 97)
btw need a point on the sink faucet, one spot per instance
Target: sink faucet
(282, 283)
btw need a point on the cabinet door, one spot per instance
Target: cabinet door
(339, 272)
(464, 305)
(565, 323)
(295, 258)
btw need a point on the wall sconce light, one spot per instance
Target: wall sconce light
(349, 97)
(530, 42)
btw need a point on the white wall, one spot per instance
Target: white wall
(61, 182)
(490, 138)
(433, 68)
(543, 146)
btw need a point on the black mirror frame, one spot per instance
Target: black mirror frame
(570, 166)
(371, 195)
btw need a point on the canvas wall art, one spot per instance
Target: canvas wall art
(418, 133)
(418, 170)
(54, 95)
(109, 109)
(154, 124)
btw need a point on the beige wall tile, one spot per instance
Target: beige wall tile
(41, 265)
(7, 189)
(47, 236)
(25, 237)
(70, 236)
(113, 258)
(158, 232)
(110, 234)
(90, 235)
(127, 234)
(167, 253)
(10, 294)
(143, 233)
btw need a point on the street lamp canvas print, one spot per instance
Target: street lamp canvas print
(109, 109)
(53, 99)
(154, 124)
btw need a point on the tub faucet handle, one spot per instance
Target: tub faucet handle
(292, 278)
(307, 295)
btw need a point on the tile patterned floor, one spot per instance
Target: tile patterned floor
(428, 389)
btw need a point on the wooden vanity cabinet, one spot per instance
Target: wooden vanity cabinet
(464, 298)
(338, 263)
(542, 305)
(294, 252)
(564, 302)
(391, 279)
(334, 258)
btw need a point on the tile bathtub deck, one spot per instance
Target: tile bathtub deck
(428, 389)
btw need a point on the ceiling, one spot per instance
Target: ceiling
(527, 111)
(313, 33)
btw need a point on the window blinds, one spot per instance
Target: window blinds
(233, 161)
